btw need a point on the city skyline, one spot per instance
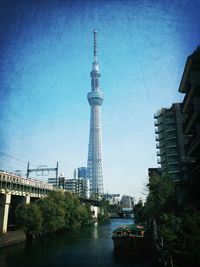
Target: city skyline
(46, 57)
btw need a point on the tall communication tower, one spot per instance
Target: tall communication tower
(95, 99)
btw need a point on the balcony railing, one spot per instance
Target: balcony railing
(161, 160)
(160, 144)
(159, 137)
(159, 129)
(170, 121)
(170, 137)
(171, 145)
(158, 121)
(160, 152)
(171, 162)
(172, 154)
(170, 128)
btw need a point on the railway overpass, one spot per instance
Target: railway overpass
(15, 189)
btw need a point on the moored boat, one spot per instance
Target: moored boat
(129, 238)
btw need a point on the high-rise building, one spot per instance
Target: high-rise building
(78, 186)
(171, 142)
(83, 188)
(190, 86)
(82, 172)
(127, 202)
(95, 99)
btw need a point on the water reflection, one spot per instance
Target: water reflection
(95, 230)
(89, 246)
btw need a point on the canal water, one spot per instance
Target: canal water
(89, 246)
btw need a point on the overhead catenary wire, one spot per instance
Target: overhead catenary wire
(12, 163)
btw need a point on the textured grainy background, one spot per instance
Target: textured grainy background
(46, 55)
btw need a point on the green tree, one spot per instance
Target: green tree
(161, 193)
(56, 211)
(29, 218)
(139, 213)
(72, 213)
(53, 212)
(182, 236)
(85, 214)
(104, 208)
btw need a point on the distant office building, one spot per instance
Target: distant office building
(60, 182)
(127, 202)
(82, 182)
(190, 86)
(78, 186)
(52, 181)
(171, 142)
(82, 172)
(71, 185)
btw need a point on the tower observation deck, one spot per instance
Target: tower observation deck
(95, 99)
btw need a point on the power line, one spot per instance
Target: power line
(4, 154)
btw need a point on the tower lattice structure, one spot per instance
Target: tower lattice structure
(95, 99)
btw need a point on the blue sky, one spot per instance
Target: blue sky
(46, 58)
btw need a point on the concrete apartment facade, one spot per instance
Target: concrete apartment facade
(190, 86)
(170, 142)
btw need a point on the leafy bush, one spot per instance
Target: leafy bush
(29, 217)
(57, 211)
(182, 236)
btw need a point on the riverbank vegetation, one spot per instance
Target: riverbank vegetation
(177, 227)
(103, 214)
(60, 210)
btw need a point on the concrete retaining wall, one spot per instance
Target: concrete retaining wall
(12, 238)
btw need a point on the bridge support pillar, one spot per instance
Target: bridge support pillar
(95, 211)
(5, 200)
(27, 199)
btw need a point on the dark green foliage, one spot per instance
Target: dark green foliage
(161, 191)
(85, 214)
(53, 212)
(102, 217)
(180, 230)
(104, 207)
(182, 236)
(72, 216)
(139, 214)
(57, 211)
(29, 217)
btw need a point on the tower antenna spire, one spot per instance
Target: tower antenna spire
(95, 45)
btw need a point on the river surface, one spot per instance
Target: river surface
(89, 246)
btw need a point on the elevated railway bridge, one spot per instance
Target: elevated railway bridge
(16, 189)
